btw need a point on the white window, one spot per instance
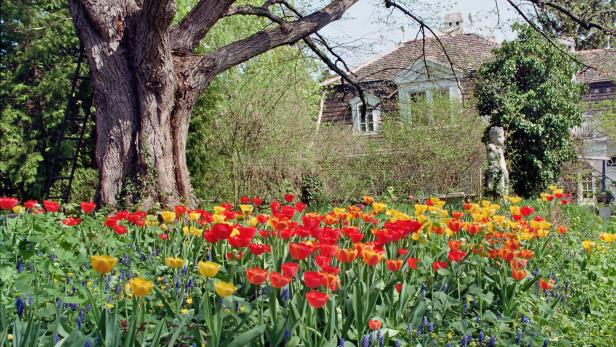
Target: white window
(368, 122)
(588, 189)
(423, 107)
(611, 162)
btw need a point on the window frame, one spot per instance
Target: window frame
(373, 115)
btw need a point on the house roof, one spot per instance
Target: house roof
(603, 62)
(467, 52)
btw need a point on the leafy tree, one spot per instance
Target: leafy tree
(38, 47)
(554, 20)
(528, 90)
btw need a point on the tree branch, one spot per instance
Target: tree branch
(548, 38)
(192, 28)
(290, 32)
(569, 13)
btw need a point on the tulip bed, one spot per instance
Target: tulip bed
(500, 273)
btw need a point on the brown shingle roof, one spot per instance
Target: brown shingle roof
(603, 62)
(467, 52)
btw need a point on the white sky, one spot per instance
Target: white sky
(369, 29)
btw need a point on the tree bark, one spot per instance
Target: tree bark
(146, 80)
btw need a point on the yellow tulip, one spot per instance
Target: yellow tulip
(168, 216)
(140, 287)
(252, 222)
(588, 245)
(194, 216)
(219, 218)
(174, 262)
(247, 209)
(379, 207)
(218, 210)
(607, 237)
(224, 289)
(514, 199)
(515, 210)
(18, 209)
(208, 268)
(103, 263)
(420, 209)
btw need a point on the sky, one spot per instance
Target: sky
(368, 29)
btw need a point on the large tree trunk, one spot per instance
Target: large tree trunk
(146, 80)
(142, 120)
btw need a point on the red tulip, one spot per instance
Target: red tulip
(51, 206)
(313, 279)
(300, 250)
(328, 250)
(111, 222)
(258, 249)
(375, 324)
(393, 264)
(317, 299)
(371, 257)
(300, 206)
(119, 229)
(71, 221)
(257, 201)
(221, 231)
(8, 203)
(256, 275)
(289, 197)
(398, 287)
(455, 255)
(244, 200)
(518, 275)
(546, 285)
(279, 280)
(163, 236)
(412, 263)
(439, 265)
(526, 210)
(289, 269)
(180, 211)
(87, 207)
(30, 204)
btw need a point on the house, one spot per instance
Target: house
(416, 72)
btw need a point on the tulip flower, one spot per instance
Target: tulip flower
(103, 263)
(317, 299)
(375, 324)
(174, 263)
(518, 275)
(588, 245)
(300, 250)
(51, 206)
(412, 263)
(71, 221)
(289, 269)
(546, 285)
(393, 264)
(87, 207)
(279, 280)
(120, 229)
(313, 279)
(168, 216)
(256, 275)
(7, 203)
(439, 265)
(371, 257)
(224, 289)
(208, 269)
(140, 287)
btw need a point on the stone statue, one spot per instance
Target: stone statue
(497, 176)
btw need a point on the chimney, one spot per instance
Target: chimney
(452, 24)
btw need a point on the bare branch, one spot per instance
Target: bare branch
(290, 32)
(548, 38)
(192, 28)
(569, 13)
